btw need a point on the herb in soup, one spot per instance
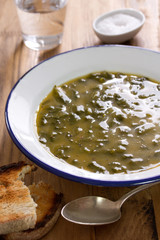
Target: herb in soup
(103, 122)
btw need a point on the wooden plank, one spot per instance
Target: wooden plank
(141, 211)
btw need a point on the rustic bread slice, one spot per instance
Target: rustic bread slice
(17, 208)
(49, 205)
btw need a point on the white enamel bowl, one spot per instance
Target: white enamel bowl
(29, 91)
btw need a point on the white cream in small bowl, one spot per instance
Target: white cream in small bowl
(118, 26)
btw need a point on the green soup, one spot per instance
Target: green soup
(103, 122)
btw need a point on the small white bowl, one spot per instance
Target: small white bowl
(124, 34)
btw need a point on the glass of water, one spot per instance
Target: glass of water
(42, 22)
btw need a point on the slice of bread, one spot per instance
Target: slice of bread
(49, 206)
(26, 213)
(17, 208)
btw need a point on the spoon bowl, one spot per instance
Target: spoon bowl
(92, 210)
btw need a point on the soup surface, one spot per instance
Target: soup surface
(103, 122)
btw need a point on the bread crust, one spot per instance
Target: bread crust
(37, 233)
(47, 201)
(48, 211)
(15, 171)
(16, 222)
(12, 166)
(17, 208)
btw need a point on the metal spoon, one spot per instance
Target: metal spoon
(94, 210)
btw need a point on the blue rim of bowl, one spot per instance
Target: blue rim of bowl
(60, 173)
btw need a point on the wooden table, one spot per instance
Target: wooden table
(141, 213)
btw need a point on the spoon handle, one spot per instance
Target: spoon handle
(134, 191)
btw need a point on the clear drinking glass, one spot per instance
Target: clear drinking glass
(42, 22)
